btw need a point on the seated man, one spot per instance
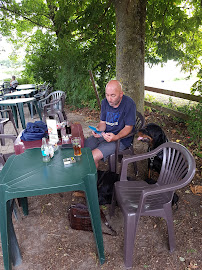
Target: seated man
(117, 120)
(13, 83)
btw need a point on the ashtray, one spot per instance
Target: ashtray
(68, 161)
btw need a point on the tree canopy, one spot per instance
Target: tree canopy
(64, 39)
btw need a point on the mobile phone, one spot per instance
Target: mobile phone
(95, 130)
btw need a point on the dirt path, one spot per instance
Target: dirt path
(47, 242)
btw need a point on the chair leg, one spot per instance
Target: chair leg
(113, 204)
(64, 115)
(170, 225)
(135, 168)
(111, 161)
(2, 132)
(12, 120)
(130, 228)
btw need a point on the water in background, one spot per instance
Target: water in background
(168, 77)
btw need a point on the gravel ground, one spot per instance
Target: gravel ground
(47, 241)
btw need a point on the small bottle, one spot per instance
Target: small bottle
(68, 128)
(45, 150)
(59, 130)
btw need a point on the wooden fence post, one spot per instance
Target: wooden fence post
(95, 89)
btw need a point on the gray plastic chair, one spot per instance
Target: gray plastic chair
(137, 198)
(4, 120)
(4, 157)
(117, 156)
(53, 105)
(43, 91)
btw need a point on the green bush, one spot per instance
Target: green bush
(194, 124)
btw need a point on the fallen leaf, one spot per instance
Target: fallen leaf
(178, 140)
(196, 189)
(182, 259)
(193, 265)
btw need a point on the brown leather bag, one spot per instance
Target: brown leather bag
(79, 218)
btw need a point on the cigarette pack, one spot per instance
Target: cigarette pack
(68, 161)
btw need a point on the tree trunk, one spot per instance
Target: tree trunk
(130, 48)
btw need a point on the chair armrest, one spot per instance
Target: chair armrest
(55, 101)
(127, 160)
(5, 110)
(10, 115)
(8, 136)
(43, 99)
(40, 94)
(131, 134)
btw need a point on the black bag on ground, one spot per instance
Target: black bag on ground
(105, 185)
(79, 219)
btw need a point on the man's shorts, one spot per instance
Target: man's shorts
(107, 148)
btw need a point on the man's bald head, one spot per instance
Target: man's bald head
(114, 93)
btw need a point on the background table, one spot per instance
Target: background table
(17, 103)
(26, 93)
(27, 175)
(25, 86)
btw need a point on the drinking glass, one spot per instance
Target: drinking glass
(76, 143)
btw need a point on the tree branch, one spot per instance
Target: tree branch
(24, 17)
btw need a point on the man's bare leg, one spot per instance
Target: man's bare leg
(97, 155)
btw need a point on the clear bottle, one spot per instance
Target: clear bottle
(68, 128)
(45, 150)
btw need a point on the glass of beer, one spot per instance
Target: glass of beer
(76, 143)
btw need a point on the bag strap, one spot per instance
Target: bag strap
(100, 180)
(103, 218)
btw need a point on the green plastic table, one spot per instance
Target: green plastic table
(26, 175)
(26, 93)
(17, 103)
(25, 86)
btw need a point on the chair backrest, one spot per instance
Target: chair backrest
(139, 121)
(56, 95)
(178, 169)
(178, 165)
(6, 91)
(48, 90)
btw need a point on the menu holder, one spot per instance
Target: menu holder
(52, 131)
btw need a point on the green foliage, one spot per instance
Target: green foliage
(65, 39)
(194, 124)
(41, 58)
(73, 76)
(197, 86)
(149, 98)
(173, 31)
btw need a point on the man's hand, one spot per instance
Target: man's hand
(101, 127)
(109, 137)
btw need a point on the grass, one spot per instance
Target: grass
(194, 123)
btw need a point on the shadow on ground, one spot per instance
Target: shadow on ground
(47, 241)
